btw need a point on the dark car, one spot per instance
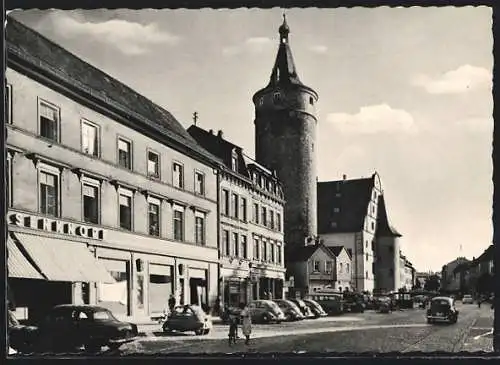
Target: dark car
(265, 311)
(442, 309)
(188, 318)
(290, 309)
(71, 326)
(353, 303)
(315, 308)
(332, 304)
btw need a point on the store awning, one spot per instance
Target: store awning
(18, 264)
(61, 260)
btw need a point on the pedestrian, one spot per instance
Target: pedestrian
(171, 303)
(246, 326)
(216, 308)
(233, 328)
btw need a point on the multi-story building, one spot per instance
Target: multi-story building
(343, 267)
(407, 273)
(285, 137)
(450, 281)
(251, 223)
(352, 213)
(110, 200)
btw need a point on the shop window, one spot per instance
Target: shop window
(153, 164)
(49, 193)
(178, 224)
(234, 205)
(200, 228)
(235, 245)
(8, 103)
(225, 240)
(178, 175)
(243, 209)
(199, 183)
(161, 286)
(243, 250)
(115, 297)
(225, 202)
(126, 210)
(90, 203)
(90, 138)
(49, 121)
(154, 217)
(125, 153)
(256, 249)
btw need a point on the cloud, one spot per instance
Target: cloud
(128, 37)
(319, 49)
(463, 79)
(253, 45)
(477, 124)
(373, 119)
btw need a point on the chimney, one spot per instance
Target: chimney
(344, 177)
(220, 134)
(211, 131)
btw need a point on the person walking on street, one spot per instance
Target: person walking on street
(171, 303)
(246, 327)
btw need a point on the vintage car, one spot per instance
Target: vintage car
(304, 308)
(315, 308)
(290, 309)
(353, 302)
(467, 299)
(188, 318)
(442, 309)
(71, 326)
(266, 311)
(331, 303)
(384, 305)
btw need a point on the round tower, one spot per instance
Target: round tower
(285, 136)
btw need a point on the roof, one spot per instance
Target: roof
(303, 253)
(57, 63)
(384, 228)
(337, 249)
(442, 298)
(351, 197)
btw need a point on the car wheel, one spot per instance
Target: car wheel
(92, 346)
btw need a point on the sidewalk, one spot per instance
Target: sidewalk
(480, 336)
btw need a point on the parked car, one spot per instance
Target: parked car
(442, 309)
(353, 302)
(315, 308)
(384, 305)
(329, 302)
(290, 309)
(467, 299)
(71, 326)
(306, 311)
(265, 311)
(188, 318)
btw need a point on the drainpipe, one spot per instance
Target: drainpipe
(219, 293)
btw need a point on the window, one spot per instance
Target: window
(316, 266)
(264, 216)
(340, 267)
(178, 224)
(276, 97)
(255, 213)
(90, 203)
(273, 254)
(373, 226)
(311, 100)
(200, 228)
(154, 217)
(124, 153)
(256, 248)
(49, 121)
(235, 244)
(90, 139)
(225, 202)
(8, 103)
(271, 219)
(244, 247)
(126, 210)
(366, 257)
(234, 205)
(366, 274)
(8, 180)
(278, 254)
(178, 176)
(225, 240)
(243, 209)
(199, 183)
(278, 221)
(234, 161)
(263, 251)
(153, 164)
(328, 267)
(49, 193)
(336, 210)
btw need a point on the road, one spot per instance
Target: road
(402, 331)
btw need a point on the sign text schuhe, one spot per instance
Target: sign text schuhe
(56, 226)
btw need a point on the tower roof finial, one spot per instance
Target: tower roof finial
(284, 29)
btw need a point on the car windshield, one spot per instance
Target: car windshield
(440, 302)
(103, 315)
(274, 306)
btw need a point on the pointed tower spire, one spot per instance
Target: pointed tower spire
(284, 71)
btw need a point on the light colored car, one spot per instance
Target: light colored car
(290, 309)
(188, 318)
(467, 299)
(266, 311)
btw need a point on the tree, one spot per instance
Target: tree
(432, 283)
(418, 285)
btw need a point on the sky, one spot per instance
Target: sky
(405, 92)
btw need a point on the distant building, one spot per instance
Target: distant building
(352, 213)
(450, 281)
(477, 275)
(343, 267)
(251, 224)
(407, 273)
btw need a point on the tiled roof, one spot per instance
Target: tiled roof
(337, 249)
(303, 253)
(42, 54)
(351, 197)
(384, 228)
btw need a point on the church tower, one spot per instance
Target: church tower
(285, 136)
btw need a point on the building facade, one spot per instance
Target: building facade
(408, 278)
(352, 213)
(450, 281)
(111, 202)
(285, 116)
(343, 267)
(251, 224)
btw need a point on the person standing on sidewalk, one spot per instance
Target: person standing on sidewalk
(246, 327)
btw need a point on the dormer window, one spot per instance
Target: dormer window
(234, 161)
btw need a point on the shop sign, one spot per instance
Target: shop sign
(55, 226)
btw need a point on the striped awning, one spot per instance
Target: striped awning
(18, 264)
(61, 260)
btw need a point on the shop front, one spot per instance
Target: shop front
(235, 286)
